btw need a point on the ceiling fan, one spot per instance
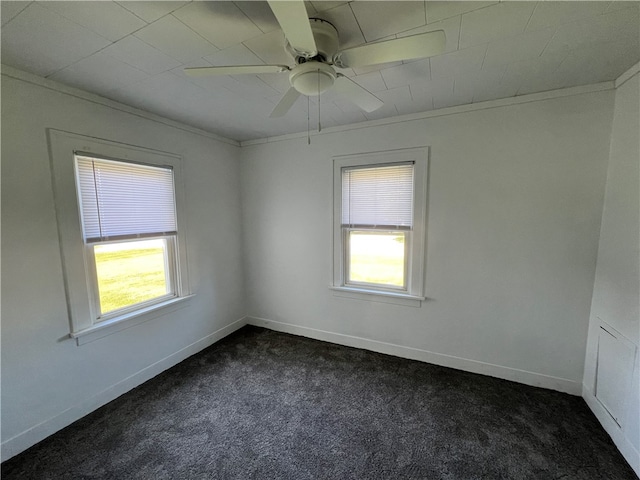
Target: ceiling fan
(314, 44)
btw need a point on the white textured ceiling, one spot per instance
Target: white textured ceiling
(135, 51)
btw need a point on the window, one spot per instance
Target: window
(120, 204)
(380, 205)
(121, 231)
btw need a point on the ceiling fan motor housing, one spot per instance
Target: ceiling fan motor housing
(326, 38)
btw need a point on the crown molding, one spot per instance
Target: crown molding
(21, 75)
(628, 75)
(15, 73)
(472, 107)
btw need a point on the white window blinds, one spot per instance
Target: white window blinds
(378, 197)
(122, 200)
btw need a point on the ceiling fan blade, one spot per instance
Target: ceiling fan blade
(407, 48)
(294, 21)
(356, 94)
(235, 70)
(285, 103)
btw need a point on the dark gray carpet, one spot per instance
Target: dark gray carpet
(267, 405)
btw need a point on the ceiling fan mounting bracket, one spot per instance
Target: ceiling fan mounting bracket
(337, 61)
(326, 38)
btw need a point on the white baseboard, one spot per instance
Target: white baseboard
(474, 366)
(39, 432)
(618, 436)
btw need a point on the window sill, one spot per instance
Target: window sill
(378, 296)
(128, 320)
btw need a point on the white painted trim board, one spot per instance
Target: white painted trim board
(465, 364)
(441, 112)
(626, 448)
(27, 77)
(37, 433)
(628, 75)
(30, 437)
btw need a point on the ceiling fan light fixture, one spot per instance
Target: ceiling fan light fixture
(312, 78)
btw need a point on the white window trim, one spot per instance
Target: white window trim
(414, 294)
(75, 262)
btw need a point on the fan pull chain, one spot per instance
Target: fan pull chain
(308, 123)
(319, 126)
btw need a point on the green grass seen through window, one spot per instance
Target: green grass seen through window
(130, 273)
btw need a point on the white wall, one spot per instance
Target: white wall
(616, 295)
(515, 202)
(47, 380)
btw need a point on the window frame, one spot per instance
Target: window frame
(78, 260)
(412, 295)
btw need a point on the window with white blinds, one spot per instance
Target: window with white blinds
(379, 197)
(121, 200)
(121, 219)
(379, 225)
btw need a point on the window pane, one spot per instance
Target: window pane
(130, 273)
(377, 258)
